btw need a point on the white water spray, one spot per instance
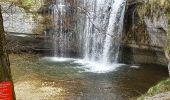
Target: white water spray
(104, 22)
(100, 36)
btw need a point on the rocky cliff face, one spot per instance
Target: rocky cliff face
(145, 32)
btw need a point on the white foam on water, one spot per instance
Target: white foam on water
(58, 59)
(87, 66)
(134, 66)
(20, 35)
(97, 67)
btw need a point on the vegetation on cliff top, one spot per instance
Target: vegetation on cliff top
(27, 5)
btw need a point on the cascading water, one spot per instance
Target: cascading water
(59, 36)
(100, 25)
(104, 22)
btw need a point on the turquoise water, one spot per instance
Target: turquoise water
(120, 83)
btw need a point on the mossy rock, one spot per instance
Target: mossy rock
(162, 87)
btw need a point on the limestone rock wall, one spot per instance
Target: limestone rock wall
(145, 33)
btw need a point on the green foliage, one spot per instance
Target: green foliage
(167, 6)
(28, 5)
(167, 49)
(163, 86)
(167, 1)
(151, 8)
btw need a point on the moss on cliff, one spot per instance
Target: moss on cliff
(162, 87)
(27, 5)
(152, 8)
(167, 12)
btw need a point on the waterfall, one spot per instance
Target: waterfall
(103, 29)
(59, 36)
(99, 39)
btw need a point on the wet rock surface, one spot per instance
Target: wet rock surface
(145, 34)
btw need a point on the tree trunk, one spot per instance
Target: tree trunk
(5, 72)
